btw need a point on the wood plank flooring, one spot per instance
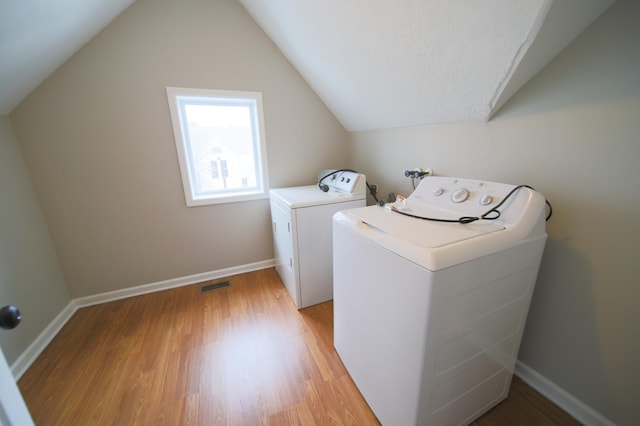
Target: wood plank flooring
(241, 355)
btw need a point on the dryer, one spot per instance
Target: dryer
(302, 232)
(429, 314)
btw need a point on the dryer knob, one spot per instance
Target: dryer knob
(460, 195)
(438, 191)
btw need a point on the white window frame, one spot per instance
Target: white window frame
(177, 97)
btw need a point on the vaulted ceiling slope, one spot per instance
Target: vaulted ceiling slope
(385, 64)
(37, 36)
(375, 63)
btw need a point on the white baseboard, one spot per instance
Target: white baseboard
(172, 283)
(25, 360)
(576, 408)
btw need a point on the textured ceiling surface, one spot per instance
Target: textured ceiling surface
(375, 63)
(395, 64)
(382, 64)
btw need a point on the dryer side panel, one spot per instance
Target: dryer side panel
(315, 247)
(283, 247)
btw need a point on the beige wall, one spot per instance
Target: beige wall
(30, 275)
(573, 134)
(99, 147)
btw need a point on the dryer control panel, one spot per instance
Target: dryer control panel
(345, 182)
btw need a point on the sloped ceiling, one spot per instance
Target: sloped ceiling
(375, 63)
(384, 64)
(37, 36)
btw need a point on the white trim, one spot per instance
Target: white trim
(30, 354)
(24, 361)
(563, 399)
(172, 283)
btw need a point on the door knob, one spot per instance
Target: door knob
(9, 317)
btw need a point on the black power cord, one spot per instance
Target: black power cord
(491, 214)
(325, 188)
(373, 193)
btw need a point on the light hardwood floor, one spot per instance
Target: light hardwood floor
(241, 355)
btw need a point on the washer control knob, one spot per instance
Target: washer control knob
(438, 191)
(460, 195)
(485, 200)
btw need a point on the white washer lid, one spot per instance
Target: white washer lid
(439, 245)
(432, 245)
(310, 195)
(424, 233)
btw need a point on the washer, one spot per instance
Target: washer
(302, 222)
(428, 316)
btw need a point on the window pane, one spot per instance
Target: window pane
(222, 148)
(220, 142)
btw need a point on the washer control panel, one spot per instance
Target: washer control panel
(465, 196)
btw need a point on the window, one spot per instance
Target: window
(221, 145)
